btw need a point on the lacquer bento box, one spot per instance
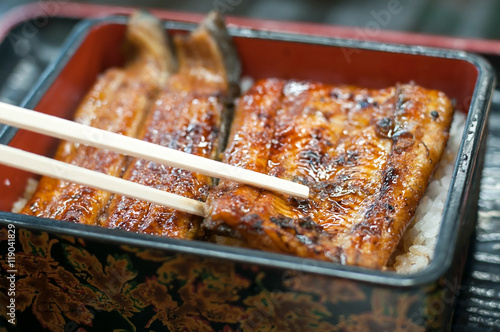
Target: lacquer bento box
(70, 276)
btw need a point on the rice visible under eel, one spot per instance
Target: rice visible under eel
(366, 154)
(416, 248)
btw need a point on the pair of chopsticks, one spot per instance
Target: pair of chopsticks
(75, 132)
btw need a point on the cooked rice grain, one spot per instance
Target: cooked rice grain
(416, 248)
(28, 192)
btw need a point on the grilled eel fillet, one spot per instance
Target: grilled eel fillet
(187, 116)
(367, 156)
(117, 102)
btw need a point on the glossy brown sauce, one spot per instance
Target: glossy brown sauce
(118, 102)
(186, 116)
(367, 156)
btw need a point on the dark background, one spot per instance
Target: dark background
(466, 18)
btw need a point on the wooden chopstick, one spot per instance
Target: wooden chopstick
(57, 169)
(76, 132)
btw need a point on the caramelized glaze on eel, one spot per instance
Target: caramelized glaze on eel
(117, 102)
(367, 156)
(188, 115)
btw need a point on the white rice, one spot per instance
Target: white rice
(28, 192)
(416, 248)
(246, 83)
